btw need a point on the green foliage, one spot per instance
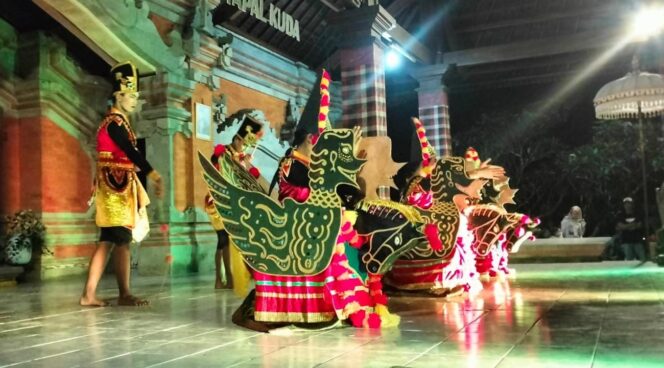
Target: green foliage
(26, 225)
(526, 143)
(552, 176)
(609, 168)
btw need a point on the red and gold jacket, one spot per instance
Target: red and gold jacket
(118, 192)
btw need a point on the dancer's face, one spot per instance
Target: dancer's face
(126, 102)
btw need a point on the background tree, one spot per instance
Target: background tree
(609, 169)
(552, 176)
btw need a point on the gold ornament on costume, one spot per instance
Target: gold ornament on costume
(505, 194)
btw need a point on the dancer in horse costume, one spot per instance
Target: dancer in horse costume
(296, 249)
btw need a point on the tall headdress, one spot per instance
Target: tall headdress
(428, 153)
(317, 108)
(472, 158)
(324, 108)
(124, 77)
(250, 130)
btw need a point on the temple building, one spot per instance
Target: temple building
(422, 80)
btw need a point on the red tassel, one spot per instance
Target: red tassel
(254, 172)
(219, 150)
(380, 299)
(357, 318)
(374, 321)
(357, 241)
(326, 75)
(431, 233)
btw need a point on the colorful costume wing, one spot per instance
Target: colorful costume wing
(289, 240)
(238, 176)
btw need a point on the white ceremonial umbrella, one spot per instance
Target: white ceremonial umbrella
(636, 95)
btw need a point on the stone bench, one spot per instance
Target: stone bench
(561, 250)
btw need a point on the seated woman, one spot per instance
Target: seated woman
(573, 225)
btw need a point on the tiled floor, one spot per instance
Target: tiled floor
(555, 315)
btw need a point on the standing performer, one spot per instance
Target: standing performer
(296, 248)
(248, 134)
(119, 195)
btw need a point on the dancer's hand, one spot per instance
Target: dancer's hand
(487, 171)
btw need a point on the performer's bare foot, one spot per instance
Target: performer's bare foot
(220, 285)
(91, 302)
(132, 301)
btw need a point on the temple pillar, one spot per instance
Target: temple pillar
(433, 107)
(362, 68)
(47, 146)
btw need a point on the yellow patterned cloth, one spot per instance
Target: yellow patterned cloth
(213, 215)
(119, 195)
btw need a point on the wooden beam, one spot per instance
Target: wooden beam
(331, 5)
(531, 49)
(409, 18)
(331, 62)
(84, 25)
(592, 12)
(411, 44)
(268, 29)
(548, 78)
(304, 15)
(398, 6)
(290, 6)
(313, 35)
(482, 13)
(540, 63)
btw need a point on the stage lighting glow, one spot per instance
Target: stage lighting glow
(648, 22)
(392, 59)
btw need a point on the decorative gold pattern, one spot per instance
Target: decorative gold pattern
(215, 220)
(485, 225)
(410, 213)
(116, 206)
(294, 317)
(443, 213)
(290, 295)
(294, 238)
(117, 186)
